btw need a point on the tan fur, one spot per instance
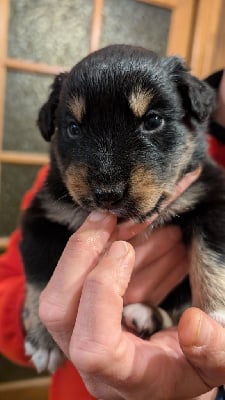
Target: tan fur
(31, 306)
(187, 200)
(190, 197)
(207, 278)
(144, 189)
(139, 101)
(186, 152)
(183, 203)
(77, 106)
(76, 182)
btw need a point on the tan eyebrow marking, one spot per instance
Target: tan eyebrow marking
(77, 106)
(139, 101)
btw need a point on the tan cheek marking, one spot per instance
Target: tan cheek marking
(187, 152)
(77, 106)
(76, 182)
(144, 189)
(139, 101)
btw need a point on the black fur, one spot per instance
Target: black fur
(109, 143)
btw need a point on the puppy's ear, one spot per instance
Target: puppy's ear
(46, 118)
(197, 96)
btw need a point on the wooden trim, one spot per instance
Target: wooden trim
(4, 18)
(181, 29)
(205, 36)
(15, 157)
(3, 242)
(218, 61)
(170, 4)
(35, 389)
(96, 25)
(33, 67)
(181, 25)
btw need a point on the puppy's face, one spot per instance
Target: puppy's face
(124, 126)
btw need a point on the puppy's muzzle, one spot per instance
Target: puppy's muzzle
(109, 196)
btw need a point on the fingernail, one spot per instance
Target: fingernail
(203, 332)
(196, 330)
(119, 250)
(97, 216)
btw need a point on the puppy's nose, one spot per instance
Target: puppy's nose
(107, 197)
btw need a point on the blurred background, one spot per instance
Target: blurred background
(40, 38)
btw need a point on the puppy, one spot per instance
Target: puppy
(124, 126)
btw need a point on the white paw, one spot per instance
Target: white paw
(139, 318)
(219, 316)
(44, 359)
(144, 320)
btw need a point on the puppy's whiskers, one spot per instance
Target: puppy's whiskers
(64, 196)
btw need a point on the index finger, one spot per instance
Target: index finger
(59, 300)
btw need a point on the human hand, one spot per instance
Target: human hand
(161, 263)
(82, 309)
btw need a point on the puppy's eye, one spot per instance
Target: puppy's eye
(72, 130)
(153, 122)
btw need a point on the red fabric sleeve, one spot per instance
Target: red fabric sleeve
(68, 385)
(217, 150)
(12, 284)
(12, 289)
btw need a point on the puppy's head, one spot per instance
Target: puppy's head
(124, 126)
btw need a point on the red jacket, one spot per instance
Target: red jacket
(66, 382)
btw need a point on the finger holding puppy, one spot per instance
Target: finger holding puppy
(59, 300)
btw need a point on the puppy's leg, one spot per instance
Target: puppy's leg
(41, 247)
(39, 345)
(207, 275)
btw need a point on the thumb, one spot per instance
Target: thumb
(202, 341)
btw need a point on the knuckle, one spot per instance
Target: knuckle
(50, 312)
(79, 238)
(94, 282)
(89, 357)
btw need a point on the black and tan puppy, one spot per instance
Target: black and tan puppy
(125, 125)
